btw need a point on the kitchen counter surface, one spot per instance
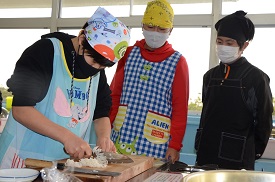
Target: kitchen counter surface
(127, 170)
(138, 178)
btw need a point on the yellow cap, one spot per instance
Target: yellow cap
(9, 102)
(159, 13)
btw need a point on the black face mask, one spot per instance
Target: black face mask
(85, 68)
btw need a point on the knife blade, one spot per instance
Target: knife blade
(117, 158)
(62, 166)
(111, 157)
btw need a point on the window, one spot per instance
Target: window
(249, 6)
(85, 8)
(25, 9)
(193, 44)
(260, 52)
(14, 42)
(188, 37)
(179, 7)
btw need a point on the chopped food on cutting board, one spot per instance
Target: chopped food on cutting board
(99, 160)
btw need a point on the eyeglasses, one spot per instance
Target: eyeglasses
(156, 28)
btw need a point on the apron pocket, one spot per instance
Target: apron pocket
(120, 117)
(157, 128)
(232, 147)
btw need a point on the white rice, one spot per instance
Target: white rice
(99, 161)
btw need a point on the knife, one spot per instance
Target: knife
(113, 157)
(62, 166)
(117, 158)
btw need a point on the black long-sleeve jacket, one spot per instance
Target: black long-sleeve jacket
(221, 122)
(33, 72)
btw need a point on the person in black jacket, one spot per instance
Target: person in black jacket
(236, 119)
(60, 88)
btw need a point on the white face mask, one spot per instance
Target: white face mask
(155, 39)
(227, 54)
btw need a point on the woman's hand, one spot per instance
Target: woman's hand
(103, 132)
(106, 144)
(77, 148)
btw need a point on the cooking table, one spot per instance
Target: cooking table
(158, 166)
(140, 169)
(157, 163)
(140, 177)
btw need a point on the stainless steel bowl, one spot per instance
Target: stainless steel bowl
(230, 176)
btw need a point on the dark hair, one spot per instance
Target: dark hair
(251, 29)
(97, 56)
(240, 43)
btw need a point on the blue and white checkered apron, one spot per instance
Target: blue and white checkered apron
(146, 88)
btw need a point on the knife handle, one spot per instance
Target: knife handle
(60, 166)
(37, 163)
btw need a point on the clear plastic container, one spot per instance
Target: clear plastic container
(3, 118)
(54, 175)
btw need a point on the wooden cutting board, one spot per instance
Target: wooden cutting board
(127, 170)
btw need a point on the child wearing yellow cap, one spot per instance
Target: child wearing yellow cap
(150, 91)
